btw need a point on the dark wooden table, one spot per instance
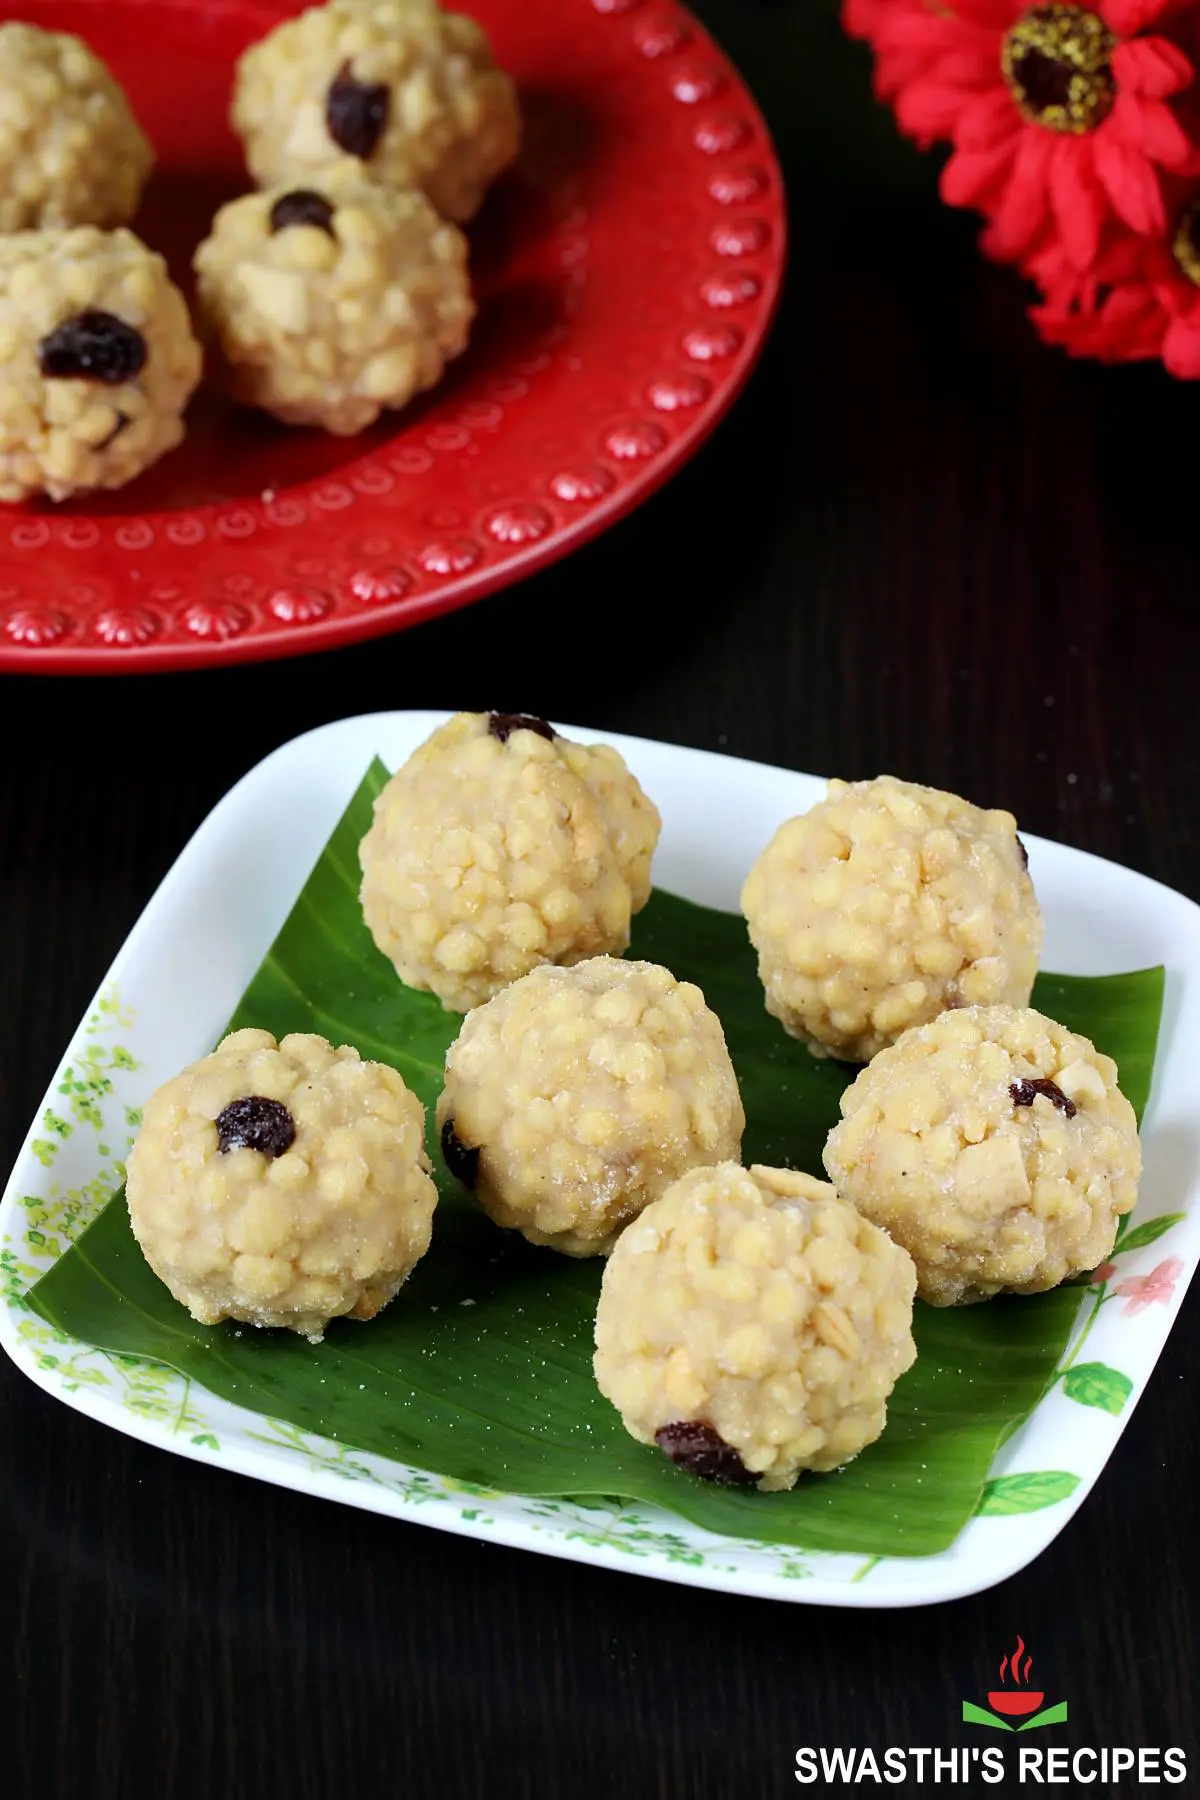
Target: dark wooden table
(921, 543)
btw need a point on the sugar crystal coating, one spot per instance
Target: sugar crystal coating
(885, 904)
(243, 1221)
(584, 1092)
(97, 361)
(71, 151)
(487, 858)
(327, 305)
(409, 89)
(758, 1306)
(989, 1191)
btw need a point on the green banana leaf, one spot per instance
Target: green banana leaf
(481, 1369)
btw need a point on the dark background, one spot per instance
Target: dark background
(921, 543)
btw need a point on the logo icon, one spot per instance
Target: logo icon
(1015, 1706)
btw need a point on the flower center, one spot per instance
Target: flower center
(1186, 243)
(1056, 62)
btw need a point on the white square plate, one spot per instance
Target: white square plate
(191, 956)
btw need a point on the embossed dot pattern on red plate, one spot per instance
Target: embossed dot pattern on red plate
(679, 392)
(253, 540)
(215, 619)
(633, 443)
(124, 627)
(696, 84)
(450, 556)
(731, 290)
(523, 524)
(734, 187)
(744, 238)
(661, 37)
(712, 343)
(299, 605)
(716, 136)
(374, 587)
(37, 625)
(580, 485)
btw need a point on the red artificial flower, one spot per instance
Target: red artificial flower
(1110, 311)
(1140, 299)
(1058, 114)
(918, 48)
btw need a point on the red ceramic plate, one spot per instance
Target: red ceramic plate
(626, 273)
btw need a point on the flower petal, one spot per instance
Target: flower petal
(927, 109)
(986, 120)
(893, 73)
(990, 12)
(1151, 127)
(1128, 17)
(968, 68)
(860, 17)
(1132, 315)
(1077, 199)
(1130, 182)
(1159, 1284)
(1121, 261)
(1023, 208)
(973, 177)
(1084, 332)
(1151, 66)
(929, 31)
(1077, 311)
(1061, 328)
(999, 248)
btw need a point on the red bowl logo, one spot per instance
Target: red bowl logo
(1016, 1705)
